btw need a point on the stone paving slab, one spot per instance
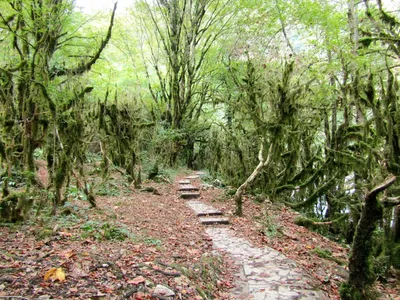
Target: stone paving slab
(190, 195)
(264, 274)
(202, 209)
(188, 187)
(214, 220)
(192, 177)
(184, 181)
(200, 173)
(213, 213)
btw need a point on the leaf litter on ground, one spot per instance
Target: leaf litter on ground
(137, 241)
(75, 256)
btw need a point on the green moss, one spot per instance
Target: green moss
(104, 231)
(260, 198)
(61, 174)
(230, 192)
(44, 233)
(323, 253)
(396, 257)
(327, 254)
(351, 293)
(15, 207)
(303, 221)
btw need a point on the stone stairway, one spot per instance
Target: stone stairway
(207, 214)
(263, 273)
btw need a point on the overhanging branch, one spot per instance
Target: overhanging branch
(85, 66)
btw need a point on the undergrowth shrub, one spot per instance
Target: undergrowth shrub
(104, 231)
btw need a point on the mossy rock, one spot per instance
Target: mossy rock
(260, 198)
(15, 207)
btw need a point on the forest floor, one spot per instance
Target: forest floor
(139, 244)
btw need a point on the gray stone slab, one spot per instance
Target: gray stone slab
(189, 195)
(202, 209)
(212, 213)
(268, 273)
(264, 273)
(213, 220)
(200, 173)
(188, 187)
(184, 181)
(192, 177)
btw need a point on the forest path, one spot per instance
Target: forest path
(263, 273)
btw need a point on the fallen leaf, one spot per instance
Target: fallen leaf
(69, 254)
(137, 280)
(64, 233)
(193, 251)
(49, 273)
(55, 274)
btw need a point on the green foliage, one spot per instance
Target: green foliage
(152, 241)
(230, 192)
(75, 193)
(380, 266)
(69, 218)
(303, 221)
(104, 231)
(45, 89)
(107, 189)
(268, 225)
(15, 207)
(327, 254)
(352, 293)
(396, 257)
(39, 153)
(323, 253)
(260, 198)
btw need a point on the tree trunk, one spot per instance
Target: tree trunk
(239, 192)
(360, 275)
(190, 155)
(396, 224)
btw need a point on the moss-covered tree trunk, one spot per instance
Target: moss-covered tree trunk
(190, 154)
(360, 274)
(262, 164)
(396, 224)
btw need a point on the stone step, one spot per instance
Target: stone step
(188, 187)
(210, 213)
(200, 173)
(184, 181)
(190, 195)
(192, 177)
(202, 209)
(214, 220)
